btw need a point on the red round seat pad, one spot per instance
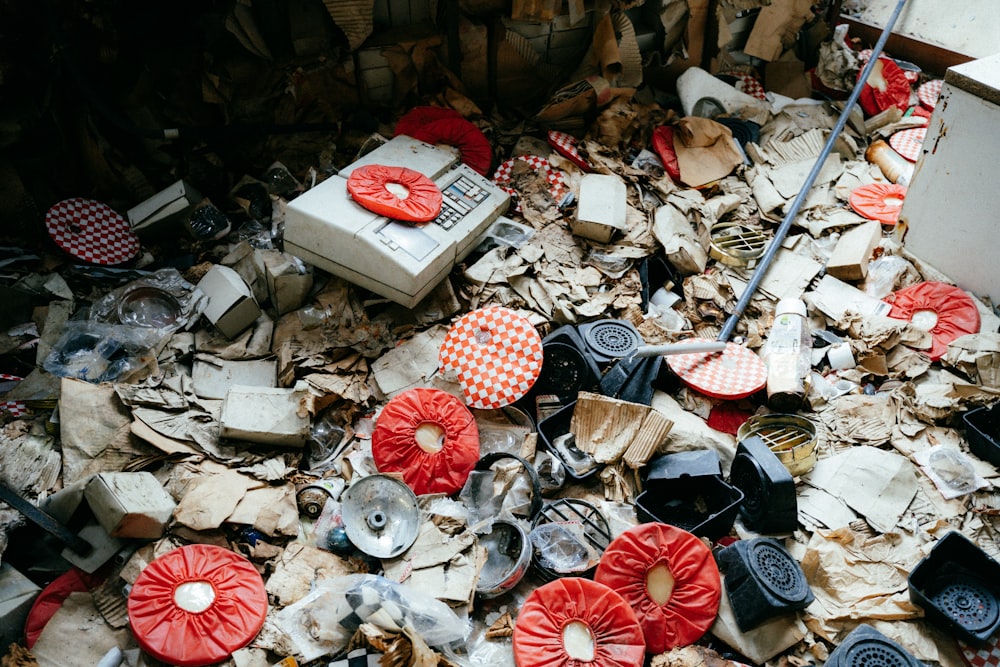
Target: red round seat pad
(538, 631)
(367, 185)
(186, 638)
(956, 312)
(694, 602)
(473, 146)
(395, 446)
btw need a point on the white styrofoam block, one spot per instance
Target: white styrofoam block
(601, 210)
(130, 504)
(266, 415)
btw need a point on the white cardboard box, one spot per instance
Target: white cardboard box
(601, 210)
(212, 377)
(166, 207)
(231, 306)
(17, 594)
(266, 415)
(130, 504)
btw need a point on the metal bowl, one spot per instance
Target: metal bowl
(147, 306)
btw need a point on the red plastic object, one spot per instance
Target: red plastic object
(367, 185)
(397, 440)
(497, 354)
(538, 633)
(227, 621)
(887, 86)
(727, 417)
(91, 231)
(879, 201)
(663, 144)
(472, 144)
(565, 145)
(691, 608)
(417, 117)
(955, 312)
(734, 373)
(52, 597)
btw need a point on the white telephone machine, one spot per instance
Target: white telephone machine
(401, 261)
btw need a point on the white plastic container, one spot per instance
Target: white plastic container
(787, 354)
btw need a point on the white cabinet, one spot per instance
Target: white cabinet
(952, 205)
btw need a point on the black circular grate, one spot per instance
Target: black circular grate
(613, 338)
(778, 572)
(874, 653)
(564, 370)
(966, 600)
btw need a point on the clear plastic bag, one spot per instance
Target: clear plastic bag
(323, 621)
(98, 352)
(884, 274)
(161, 300)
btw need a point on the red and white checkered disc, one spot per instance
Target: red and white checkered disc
(929, 92)
(987, 655)
(91, 231)
(553, 176)
(734, 373)
(749, 84)
(15, 408)
(497, 354)
(565, 145)
(908, 142)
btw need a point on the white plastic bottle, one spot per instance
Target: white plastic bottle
(787, 354)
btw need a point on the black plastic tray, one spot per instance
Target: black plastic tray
(982, 430)
(704, 506)
(957, 585)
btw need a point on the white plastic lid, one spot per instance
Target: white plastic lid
(796, 306)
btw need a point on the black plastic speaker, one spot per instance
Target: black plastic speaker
(769, 503)
(567, 369)
(762, 581)
(867, 647)
(608, 340)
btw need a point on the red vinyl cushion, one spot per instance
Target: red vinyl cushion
(870, 201)
(192, 639)
(395, 447)
(417, 117)
(367, 185)
(694, 602)
(538, 632)
(473, 146)
(957, 314)
(874, 100)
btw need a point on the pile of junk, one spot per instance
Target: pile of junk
(666, 389)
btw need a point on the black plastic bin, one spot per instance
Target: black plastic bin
(982, 430)
(958, 585)
(555, 426)
(704, 506)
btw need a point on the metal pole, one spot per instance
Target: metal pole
(786, 223)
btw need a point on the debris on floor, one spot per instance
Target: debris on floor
(459, 391)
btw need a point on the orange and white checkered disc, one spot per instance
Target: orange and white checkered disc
(496, 353)
(734, 373)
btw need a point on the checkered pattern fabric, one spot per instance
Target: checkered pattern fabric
(736, 372)
(908, 142)
(91, 232)
(359, 657)
(15, 408)
(497, 355)
(553, 176)
(565, 145)
(987, 655)
(929, 92)
(749, 84)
